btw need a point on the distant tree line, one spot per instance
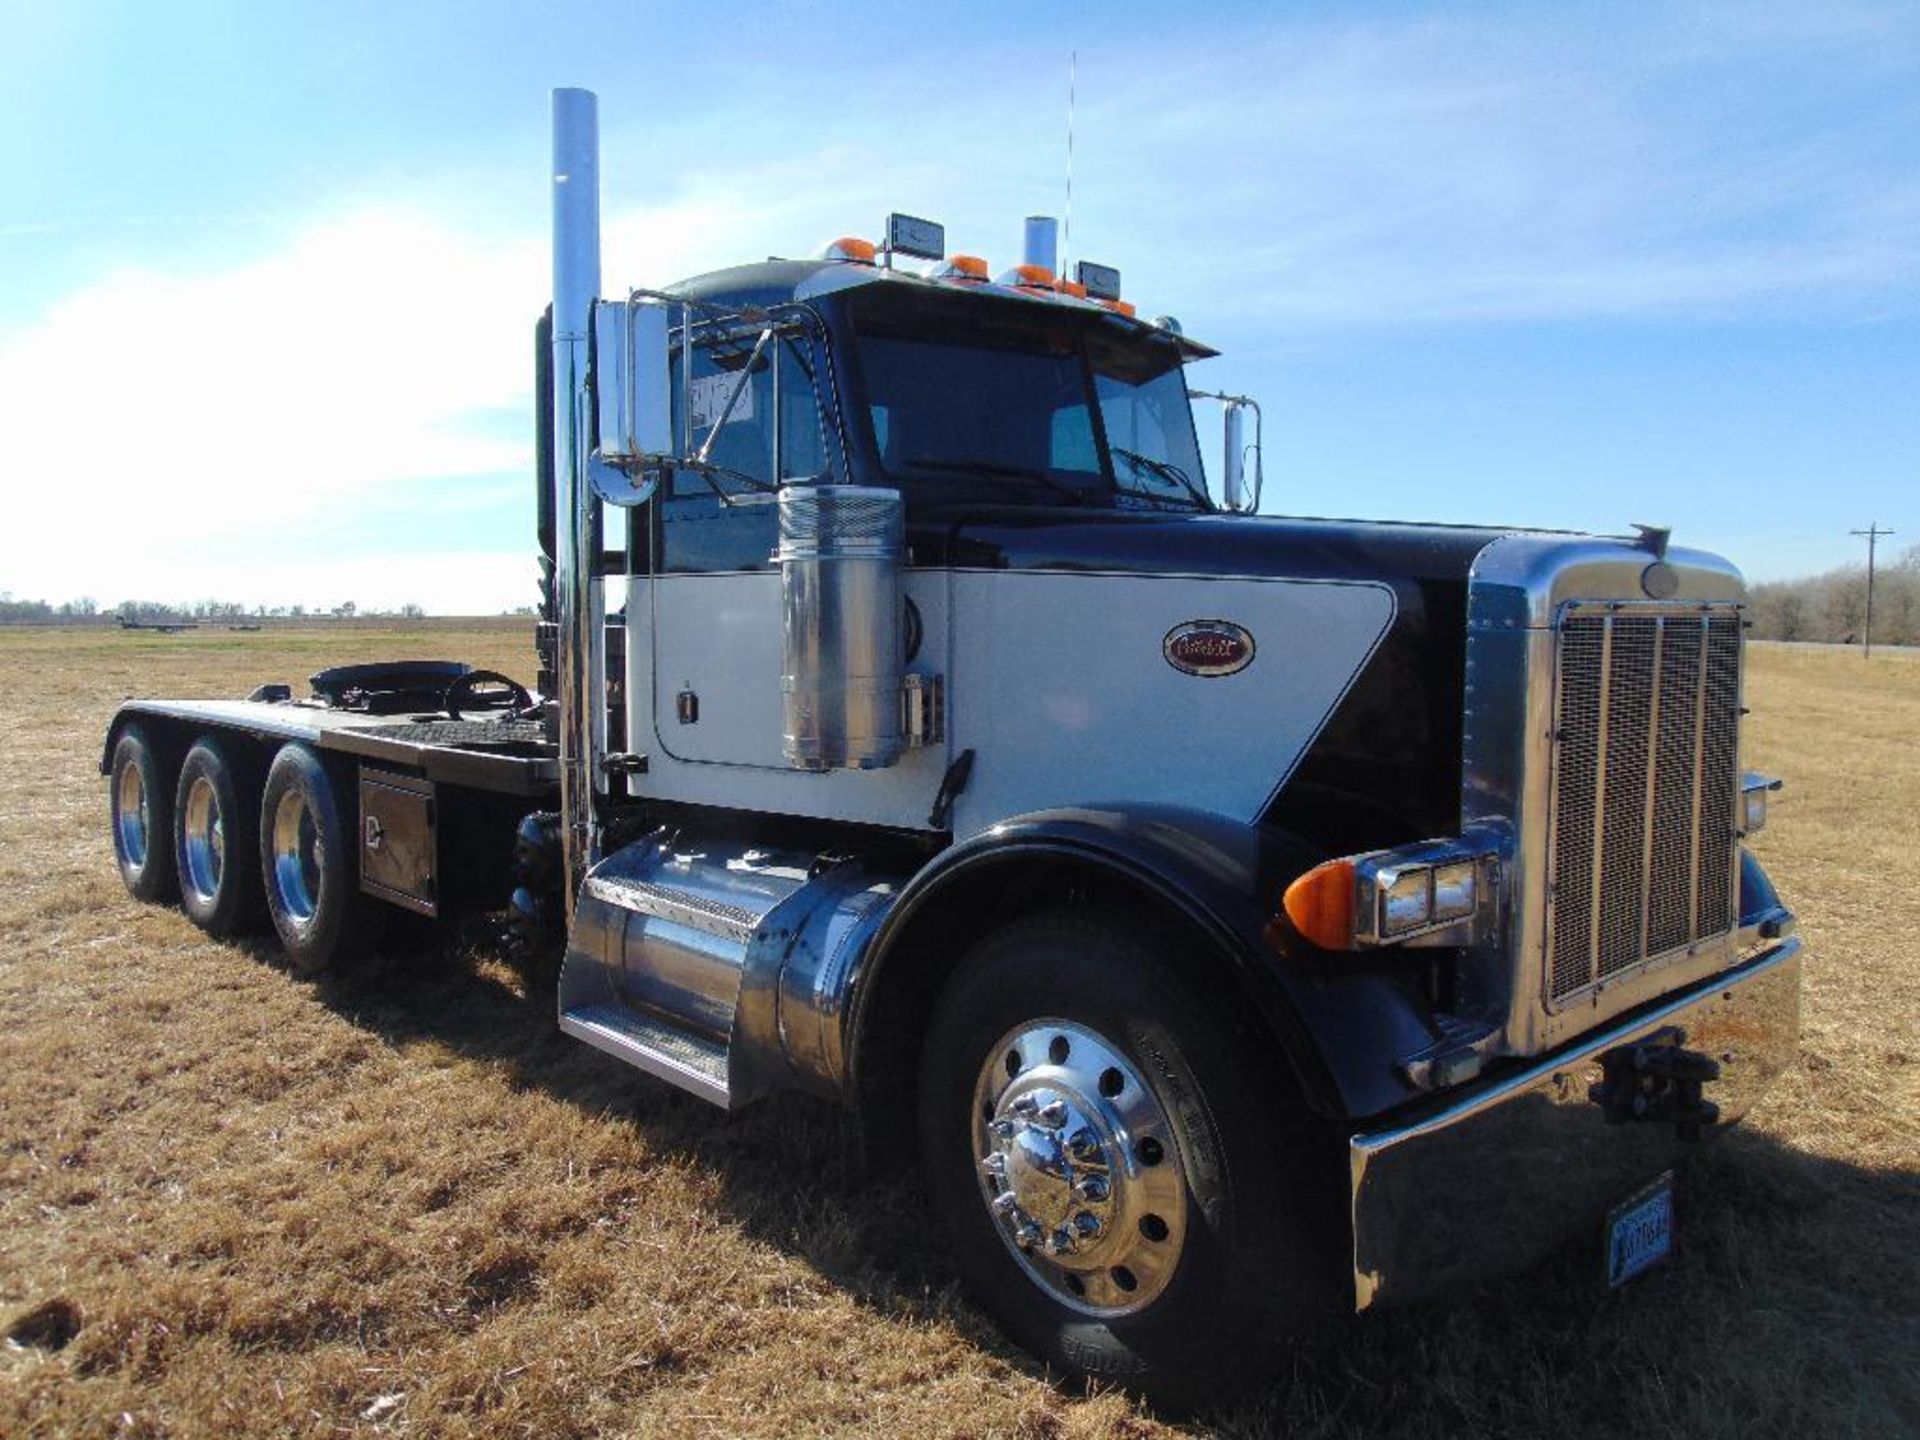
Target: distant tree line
(40, 610)
(161, 612)
(1833, 607)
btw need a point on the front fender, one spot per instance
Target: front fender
(1342, 1027)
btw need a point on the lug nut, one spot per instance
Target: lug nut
(1061, 1242)
(1053, 1114)
(1025, 1105)
(1091, 1188)
(1088, 1225)
(1002, 1129)
(1006, 1203)
(995, 1165)
(1027, 1236)
(1084, 1144)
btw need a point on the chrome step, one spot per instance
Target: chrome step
(692, 1062)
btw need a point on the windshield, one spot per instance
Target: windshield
(1028, 405)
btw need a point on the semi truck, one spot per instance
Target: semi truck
(1230, 915)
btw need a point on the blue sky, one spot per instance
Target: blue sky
(270, 270)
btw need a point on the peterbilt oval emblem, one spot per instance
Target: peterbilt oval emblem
(1209, 647)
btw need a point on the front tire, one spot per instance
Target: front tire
(216, 850)
(309, 861)
(140, 802)
(1127, 1181)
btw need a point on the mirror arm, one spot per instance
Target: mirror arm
(733, 399)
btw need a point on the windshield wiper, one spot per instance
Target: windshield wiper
(1164, 470)
(995, 470)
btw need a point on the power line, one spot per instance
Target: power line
(1873, 532)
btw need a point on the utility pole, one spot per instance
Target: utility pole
(1873, 532)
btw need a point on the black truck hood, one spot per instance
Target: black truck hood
(1386, 767)
(1171, 543)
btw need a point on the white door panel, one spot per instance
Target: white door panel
(1060, 686)
(719, 636)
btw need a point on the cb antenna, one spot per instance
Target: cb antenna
(1066, 238)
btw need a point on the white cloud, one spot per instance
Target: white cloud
(176, 433)
(189, 435)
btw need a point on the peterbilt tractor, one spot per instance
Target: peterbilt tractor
(1232, 916)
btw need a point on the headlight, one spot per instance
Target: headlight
(1456, 890)
(1431, 893)
(1406, 899)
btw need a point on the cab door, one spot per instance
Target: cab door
(715, 587)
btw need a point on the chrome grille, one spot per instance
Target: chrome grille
(1645, 785)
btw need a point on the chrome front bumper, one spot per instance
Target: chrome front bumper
(1502, 1175)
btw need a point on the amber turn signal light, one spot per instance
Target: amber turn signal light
(1320, 905)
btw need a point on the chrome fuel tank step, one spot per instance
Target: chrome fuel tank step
(719, 967)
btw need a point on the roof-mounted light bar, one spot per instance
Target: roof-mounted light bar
(1102, 282)
(910, 235)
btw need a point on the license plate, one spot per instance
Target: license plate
(1640, 1232)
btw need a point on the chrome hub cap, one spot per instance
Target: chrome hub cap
(1078, 1167)
(204, 841)
(130, 816)
(297, 858)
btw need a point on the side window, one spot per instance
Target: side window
(1132, 417)
(771, 434)
(1072, 447)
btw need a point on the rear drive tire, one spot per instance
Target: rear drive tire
(1130, 1187)
(140, 803)
(310, 866)
(216, 850)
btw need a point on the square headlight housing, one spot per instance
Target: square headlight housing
(1406, 899)
(1434, 892)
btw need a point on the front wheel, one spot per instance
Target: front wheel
(1128, 1183)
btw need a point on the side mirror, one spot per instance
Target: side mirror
(1233, 470)
(1236, 495)
(632, 381)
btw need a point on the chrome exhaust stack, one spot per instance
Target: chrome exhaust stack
(580, 637)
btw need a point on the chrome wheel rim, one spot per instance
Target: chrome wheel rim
(203, 841)
(130, 818)
(297, 858)
(1078, 1167)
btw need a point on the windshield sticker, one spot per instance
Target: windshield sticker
(709, 395)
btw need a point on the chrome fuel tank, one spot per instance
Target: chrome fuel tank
(841, 548)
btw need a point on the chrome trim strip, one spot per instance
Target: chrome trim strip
(1651, 782)
(1603, 727)
(1699, 767)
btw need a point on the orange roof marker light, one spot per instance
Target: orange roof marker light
(1028, 277)
(850, 248)
(964, 267)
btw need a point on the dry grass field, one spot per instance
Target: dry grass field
(233, 1203)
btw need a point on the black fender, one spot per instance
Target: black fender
(1341, 1024)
